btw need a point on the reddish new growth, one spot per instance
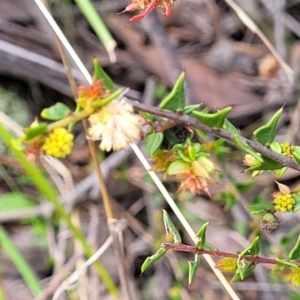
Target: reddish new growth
(149, 5)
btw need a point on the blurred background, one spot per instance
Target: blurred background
(227, 63)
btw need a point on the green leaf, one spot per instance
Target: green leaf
(171, 138)
(296, 197)
(230, 200)
(193, 266)
(246, 148)
(280, 172)
(286, 263)
(215, 120)
(32, 132)
(111, 97)
(253, 249)
(230, 127)
(153, 142)
(190, 108)
(14, 201)
(178, 167)
(267, 164)
(56, 112)
(170, 227)
(266, 133)
(100, 74)
(243, 271)
(243, 186)
(275, 146)
(296, 154)
(201, 236)
(150, 260)
(149, 117)
(175, 101)
(286, 239)
(295, 252)
(260, 208)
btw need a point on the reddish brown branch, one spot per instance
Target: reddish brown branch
(192, 249)
(221, 133)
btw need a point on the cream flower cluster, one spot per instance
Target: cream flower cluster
(115, 125)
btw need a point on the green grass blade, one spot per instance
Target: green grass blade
(50, 193)
(99, 27)
(20, 263)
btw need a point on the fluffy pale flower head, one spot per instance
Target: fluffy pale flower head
(115, 125)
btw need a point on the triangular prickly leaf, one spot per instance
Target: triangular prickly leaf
(153, 142)
(100, 74)
(193, 266)
(230, 127)
(215, 120)
(150, 260)
(31, 132)
(55, 112)
(243, 272)
(252, 249)
(175, 101)
(259, 208)
(246, 148)
(170, 227)
(201, 236)
(266, 133)
(296, 154)
(267, 164)
(295, 252)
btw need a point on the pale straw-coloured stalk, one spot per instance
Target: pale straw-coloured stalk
(138, 153)
(73, 278)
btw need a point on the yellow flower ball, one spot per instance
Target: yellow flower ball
(59, 143)
(284, 203)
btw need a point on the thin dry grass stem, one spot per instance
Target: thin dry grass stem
(138, 153)
(253, 27)
(82, 285)
(56, 280)
(73, 278)
(75, 217)
(116, 228)
(64, 59)
(64, 40)
(58, 172)
(11, 124)
(115, 233)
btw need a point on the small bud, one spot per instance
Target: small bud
(269, 223)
